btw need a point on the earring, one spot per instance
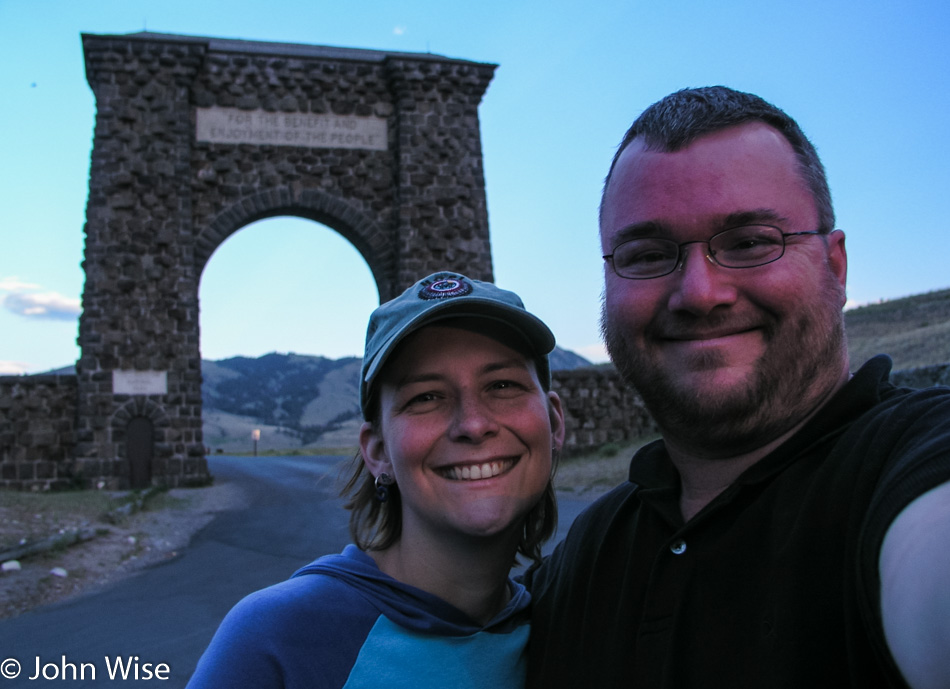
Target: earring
(382, 483)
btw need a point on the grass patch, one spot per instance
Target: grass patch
(79, 504)
(31, 517)
(27, 517)
(597, 471)
(165, 500)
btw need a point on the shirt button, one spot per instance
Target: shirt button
(678, 548)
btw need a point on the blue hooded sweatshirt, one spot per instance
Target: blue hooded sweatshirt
(340, 622)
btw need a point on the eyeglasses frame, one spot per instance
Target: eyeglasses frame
(680, 255)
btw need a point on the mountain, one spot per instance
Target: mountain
(281, 389)
(566, 360)
(295, 400)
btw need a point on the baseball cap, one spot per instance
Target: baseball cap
(448, 295)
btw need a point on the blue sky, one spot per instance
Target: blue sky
(867, 81)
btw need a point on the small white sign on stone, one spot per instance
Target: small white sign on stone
(258, 127)
(140, 382)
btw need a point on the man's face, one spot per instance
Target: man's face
(725, 358)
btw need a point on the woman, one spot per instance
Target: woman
(452, 481)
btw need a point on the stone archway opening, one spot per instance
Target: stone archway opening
(290, 293)
(285, 284)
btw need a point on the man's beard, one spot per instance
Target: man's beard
(800, 364)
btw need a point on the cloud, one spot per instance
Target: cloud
(399, 30)
(13, 368)
(47, 305)
(13, 284)
(25, 302)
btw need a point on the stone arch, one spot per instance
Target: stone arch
(197, 137)
(361, 231)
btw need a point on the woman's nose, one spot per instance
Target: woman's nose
(473, 420)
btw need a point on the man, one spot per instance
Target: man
(792, 527)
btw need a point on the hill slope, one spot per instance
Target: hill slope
(914, 331)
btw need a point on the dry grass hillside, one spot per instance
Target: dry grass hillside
(914, 331)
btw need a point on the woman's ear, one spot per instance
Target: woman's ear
(373, 450)
(557, 420)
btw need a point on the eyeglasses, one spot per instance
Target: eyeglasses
(738, 247)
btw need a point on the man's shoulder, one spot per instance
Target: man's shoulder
(649, 468)
(870, 404)
(593, 525)
(900, 406)
(890, 386)
(607, 504)
(609, 507)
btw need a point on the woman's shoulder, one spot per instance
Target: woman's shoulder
(308, 626)
(310, 598)
(319, 591)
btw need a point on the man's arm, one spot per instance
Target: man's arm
(915, 589)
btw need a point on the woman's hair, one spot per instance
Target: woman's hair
(376, 525)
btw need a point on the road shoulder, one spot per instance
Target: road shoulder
(116, 552)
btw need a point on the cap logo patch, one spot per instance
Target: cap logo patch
(444, 286)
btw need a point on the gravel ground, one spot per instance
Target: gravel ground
(116, 551)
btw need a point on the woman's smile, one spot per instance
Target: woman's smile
(477, 471)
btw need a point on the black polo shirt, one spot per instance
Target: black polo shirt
(773, 584)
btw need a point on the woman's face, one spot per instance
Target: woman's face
(467, 432)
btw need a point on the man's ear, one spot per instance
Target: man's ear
(374, 451)
(838, 258)
(557, 419)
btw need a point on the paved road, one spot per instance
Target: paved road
(168, 613)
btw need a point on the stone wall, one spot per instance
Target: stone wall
(37, 431)
(38, 422)
(599, 408)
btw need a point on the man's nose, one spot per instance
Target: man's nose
(701, 283)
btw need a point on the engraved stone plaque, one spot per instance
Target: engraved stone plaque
(139, 382)
(257, 127)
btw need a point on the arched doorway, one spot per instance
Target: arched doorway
(139, 448)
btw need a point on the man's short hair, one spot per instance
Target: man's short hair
(679, 119)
